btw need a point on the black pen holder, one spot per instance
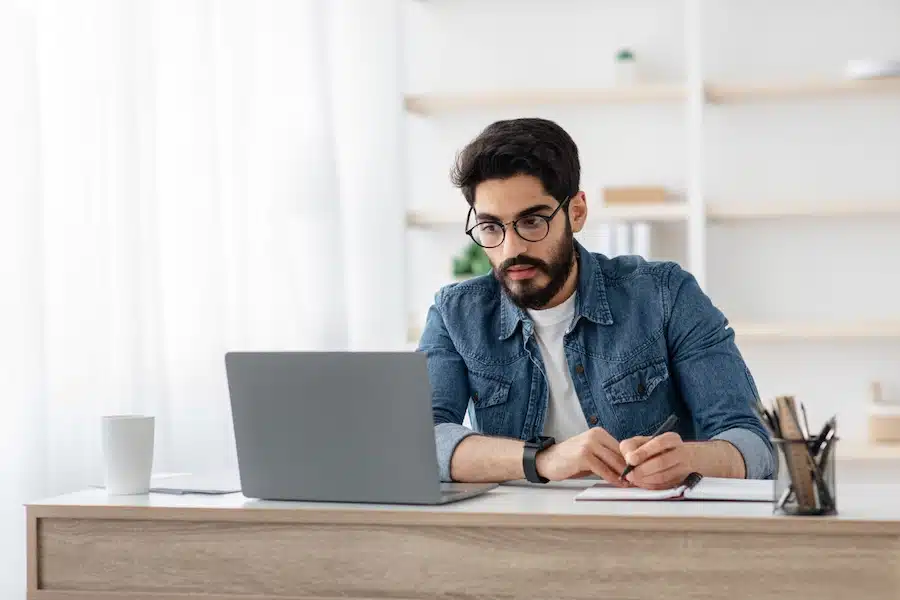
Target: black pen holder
(805, 479)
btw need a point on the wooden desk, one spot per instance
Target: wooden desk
(514, 542)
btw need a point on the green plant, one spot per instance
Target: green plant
(471, 262)
(624, 54)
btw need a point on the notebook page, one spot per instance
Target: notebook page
(605, 491)
(718, 488)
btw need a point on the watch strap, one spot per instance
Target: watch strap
(529, 457)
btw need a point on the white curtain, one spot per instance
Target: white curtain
(179, 178)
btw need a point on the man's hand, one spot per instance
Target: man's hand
(659, 463)
(664, 461)
(594, 451)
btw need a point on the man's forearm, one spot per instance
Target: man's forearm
(482, 459)
(717, 458)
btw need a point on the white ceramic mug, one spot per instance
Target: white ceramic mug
(127, 453)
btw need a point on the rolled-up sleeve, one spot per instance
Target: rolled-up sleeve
(757, 453)
(449, 387)
(712, 376)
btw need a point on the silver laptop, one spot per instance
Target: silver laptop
(337, 427)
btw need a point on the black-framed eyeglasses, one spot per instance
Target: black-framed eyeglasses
(531, 228)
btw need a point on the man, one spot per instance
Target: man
(566, 360)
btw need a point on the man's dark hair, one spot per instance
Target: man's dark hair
(526, 146)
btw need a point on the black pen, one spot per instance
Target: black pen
(667, 426)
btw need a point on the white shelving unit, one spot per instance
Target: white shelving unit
(712, 93)
(430, 104)
(725, 93)
(696, 95)
(801, 209)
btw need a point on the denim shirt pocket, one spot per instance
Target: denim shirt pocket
(638, 398)
(489, 395)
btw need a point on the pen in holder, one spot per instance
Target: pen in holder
(805, 477)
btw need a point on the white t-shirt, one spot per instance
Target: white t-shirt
(564, 417)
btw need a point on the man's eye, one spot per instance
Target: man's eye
(489, 227)
(532, 222)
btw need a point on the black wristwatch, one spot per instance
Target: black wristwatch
(529, 463)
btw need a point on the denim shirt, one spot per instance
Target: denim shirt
(645, 342)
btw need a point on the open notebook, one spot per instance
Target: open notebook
(695, 487)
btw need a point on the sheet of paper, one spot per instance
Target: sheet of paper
(717, 488)
(605, 491)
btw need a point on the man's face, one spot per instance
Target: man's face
(531, 273)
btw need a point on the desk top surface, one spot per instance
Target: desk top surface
(871, 508)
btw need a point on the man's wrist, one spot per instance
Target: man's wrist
(716, 458)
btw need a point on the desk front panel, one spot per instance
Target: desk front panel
(130, 559)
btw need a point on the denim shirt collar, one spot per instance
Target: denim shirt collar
(590, 301)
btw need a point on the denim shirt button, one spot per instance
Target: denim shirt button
(640, 388)
(579, 369)
(475, 397)
(594, 419)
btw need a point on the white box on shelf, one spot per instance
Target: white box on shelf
(872, 69)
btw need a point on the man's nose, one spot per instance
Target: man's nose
(513, 245)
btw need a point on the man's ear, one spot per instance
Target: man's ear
(578, 211)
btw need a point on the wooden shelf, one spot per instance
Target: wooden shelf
(816, 331)
(851, 450)
(771, 210)
(674, 211)
(733, 93)
(426, 104)
(724, 93)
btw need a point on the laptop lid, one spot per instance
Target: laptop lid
(334, 426)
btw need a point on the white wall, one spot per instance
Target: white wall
(800, 151)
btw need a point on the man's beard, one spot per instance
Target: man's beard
(526, 293)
